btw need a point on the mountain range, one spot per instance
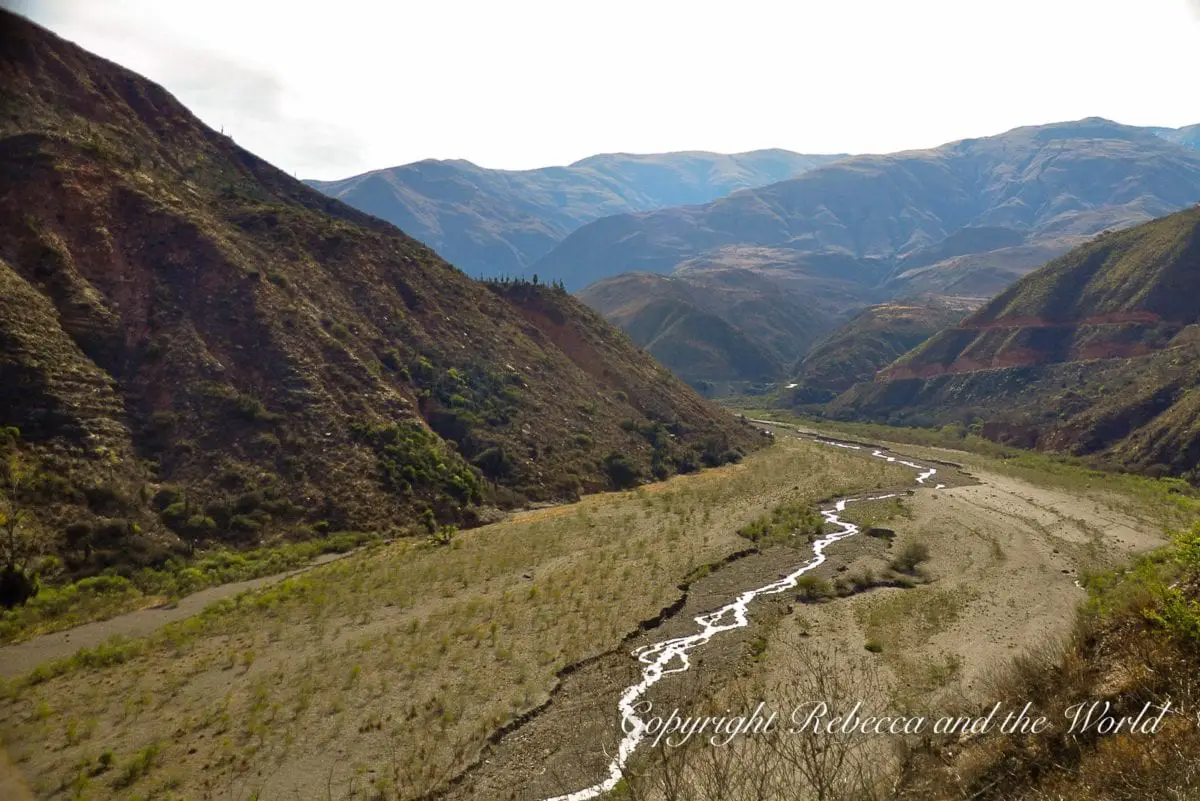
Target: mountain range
(499, 222)
(869, 342)
(893, 218)
(195, 347)
(963, 220)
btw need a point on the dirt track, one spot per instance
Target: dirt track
(25, 656)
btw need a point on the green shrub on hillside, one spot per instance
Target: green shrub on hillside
(414, 462)
(621, 473)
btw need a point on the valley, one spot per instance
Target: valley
(337, 676)
(439, 482)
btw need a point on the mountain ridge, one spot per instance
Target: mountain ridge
(498, 222)
(1044, 183)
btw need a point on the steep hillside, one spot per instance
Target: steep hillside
(196, 347)
(875, 338)
(874, 218)
(712, 326)
(1097, 352)
(498, 222)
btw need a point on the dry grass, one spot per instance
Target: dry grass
(388, 671)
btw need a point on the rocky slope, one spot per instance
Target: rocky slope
(499, 222)
(196, 347)
(1097, 352)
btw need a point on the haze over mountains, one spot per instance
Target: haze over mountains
(824, 238)
(195, 346)
(499, 222)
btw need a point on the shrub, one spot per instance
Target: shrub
(621, 474)
(494, 462)
(911, 558)
(812, 589)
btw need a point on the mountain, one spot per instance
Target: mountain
(872, 340)
(1188, 136)
(195, 347)
(1098, 352)
(970, 215)
(498, 222)
(712, 327)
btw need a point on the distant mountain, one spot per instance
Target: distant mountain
(197, 348)
(968, 216)
(712, 327)
(1188, 136)
(876, 337)
(498, 222)
(1097, 352)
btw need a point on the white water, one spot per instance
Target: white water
(671, 656)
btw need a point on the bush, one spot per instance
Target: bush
(785, 522)
(621, 474)
(911, 558)
(812, 589)
(16, 587)
(494, 463)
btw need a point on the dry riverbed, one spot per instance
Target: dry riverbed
(491, 668)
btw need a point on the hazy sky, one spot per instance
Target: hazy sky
(331, 89)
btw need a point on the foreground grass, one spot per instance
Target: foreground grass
(389, 669)
(105, 596)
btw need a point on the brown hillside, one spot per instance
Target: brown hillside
(1097, 352)
(195, 345)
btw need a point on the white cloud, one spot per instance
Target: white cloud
(326, 89)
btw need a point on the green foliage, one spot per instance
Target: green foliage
(494, 463)
(1178, 615)
(784, 523)
(414, 462)
(812, 589)
(139, 765)
(621, 473)
(911, 558)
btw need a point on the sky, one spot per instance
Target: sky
(332, 89)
